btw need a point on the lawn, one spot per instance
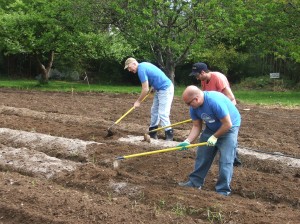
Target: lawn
(283, 98)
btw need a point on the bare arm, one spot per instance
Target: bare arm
(227, 92)
(195, 131)
(226, 125)
(144, 92)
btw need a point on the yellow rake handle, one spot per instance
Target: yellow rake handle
(181, 122)
(132, 108)
(160, 151)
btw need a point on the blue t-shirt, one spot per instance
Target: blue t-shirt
(155, 77)
(215, 107)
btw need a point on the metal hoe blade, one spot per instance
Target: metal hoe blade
(109, 132)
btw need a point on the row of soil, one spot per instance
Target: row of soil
(143, 189)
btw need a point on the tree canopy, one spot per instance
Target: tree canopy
(238, 36)
(69, 28)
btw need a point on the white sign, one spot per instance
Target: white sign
(274, 75)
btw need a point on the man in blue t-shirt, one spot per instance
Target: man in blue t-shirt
(151, 75)
(214, 81)
(222, 123)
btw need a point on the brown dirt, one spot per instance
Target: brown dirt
(144, 189)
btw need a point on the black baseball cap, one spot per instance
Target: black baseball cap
(197, 68)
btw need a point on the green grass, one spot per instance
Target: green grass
(260, 97)
(288, 98)
(63, 86)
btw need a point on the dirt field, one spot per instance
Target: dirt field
(56, 164)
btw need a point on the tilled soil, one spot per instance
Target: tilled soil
(56, 164)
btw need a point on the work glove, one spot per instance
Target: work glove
(212, 141)
(183, 145)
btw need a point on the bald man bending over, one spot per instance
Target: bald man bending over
(214, 81)
(222, 121)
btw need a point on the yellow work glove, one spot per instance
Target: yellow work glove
(183, 145)
(212, 141)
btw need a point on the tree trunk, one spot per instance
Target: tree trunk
(45, 69)
(167, 65)
(170, 71)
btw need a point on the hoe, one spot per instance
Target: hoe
(116, 163)
(109, 130)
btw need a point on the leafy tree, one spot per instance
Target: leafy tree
(270, 35)
(171, 29)
(43, 29)
(223, 32)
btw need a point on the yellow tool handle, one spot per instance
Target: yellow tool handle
(132, 108)
(147, 94)
(162, 150)
(157, 129)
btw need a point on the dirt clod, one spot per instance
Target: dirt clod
(147, 138)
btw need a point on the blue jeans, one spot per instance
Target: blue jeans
(161, 107)
(226, 146)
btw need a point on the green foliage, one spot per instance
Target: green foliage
(266, 83)
(165, 31)
(239, 38)
(94, 46)
(257, 83)
(224, 34)
(70, 28)
(214, 216)
(179, 209)
(273, 33)
(254, 39)
(220, 58)
(162, 204)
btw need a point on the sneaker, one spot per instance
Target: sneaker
(169, 135)
(237, 162)
(224, 193)
(153, 134)
(188, 184)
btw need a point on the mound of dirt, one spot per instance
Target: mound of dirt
(56, 163)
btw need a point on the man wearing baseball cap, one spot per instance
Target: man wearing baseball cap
(151, 75)
(212, 81)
